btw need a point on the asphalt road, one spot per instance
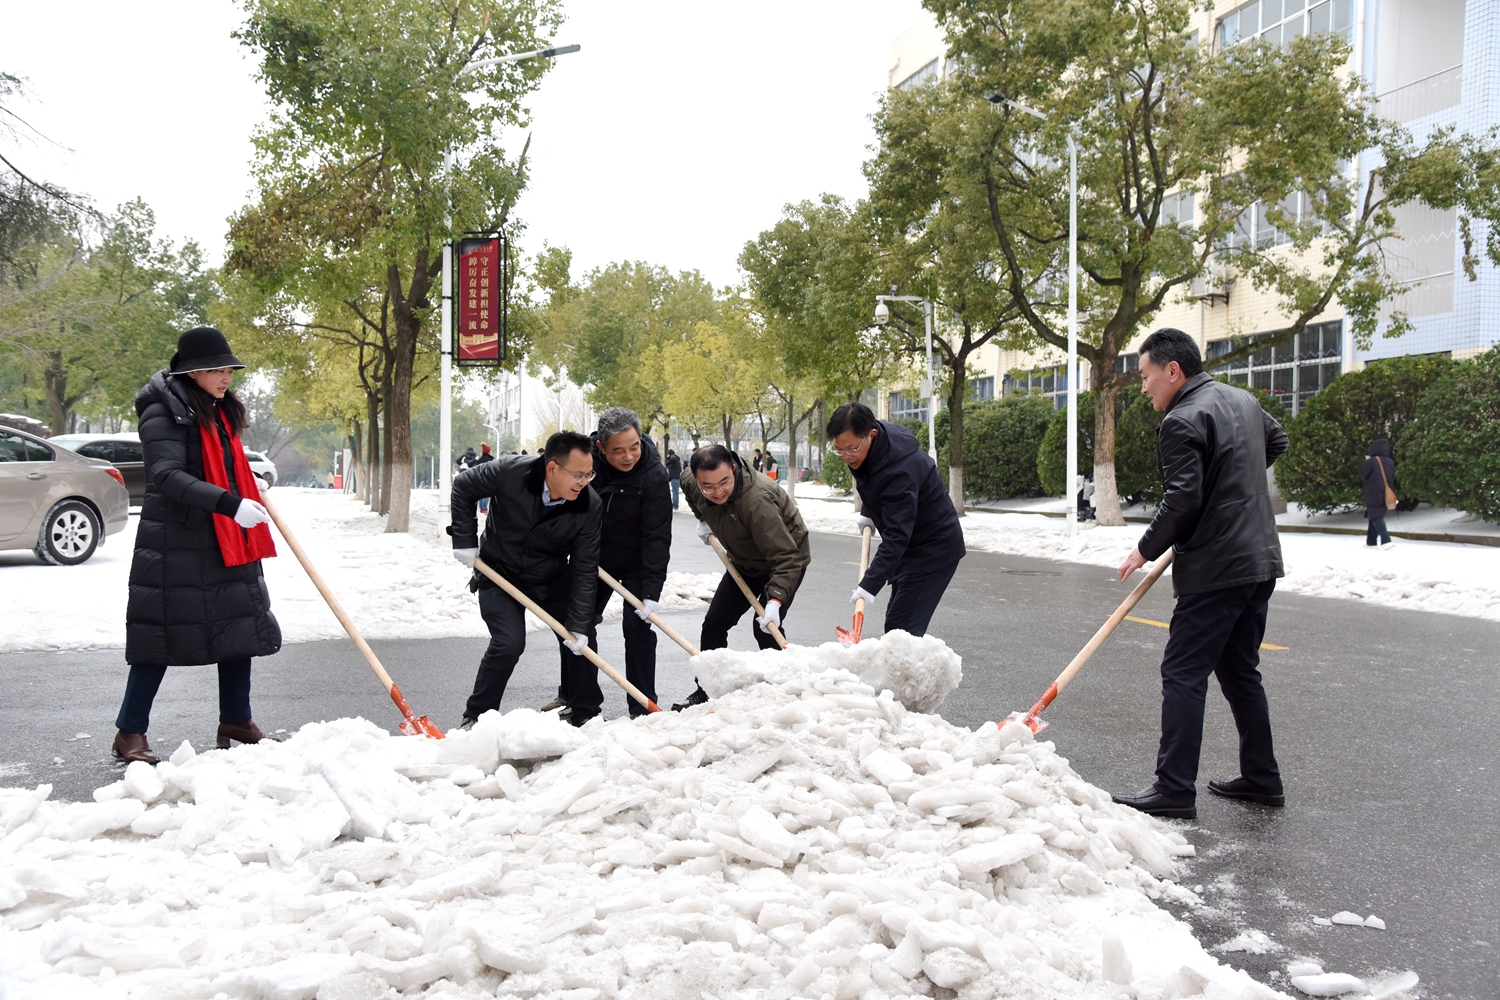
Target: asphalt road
(1384, 722)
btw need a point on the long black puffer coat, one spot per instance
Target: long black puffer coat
(1372, 485)
(186, 607)
(636, 533)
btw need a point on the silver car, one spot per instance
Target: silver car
(59, 504)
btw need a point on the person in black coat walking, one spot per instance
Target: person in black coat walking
(902, 497)
(197, 594)
(1377, 473)
(541, 534)
(635, 543)
(1213, 448)
(674, 473)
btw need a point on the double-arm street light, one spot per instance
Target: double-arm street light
(445, 402)
(1071, 473)
(883, 316)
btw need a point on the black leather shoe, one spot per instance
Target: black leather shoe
(698, 697)
(1154, 803)
(1240, 788)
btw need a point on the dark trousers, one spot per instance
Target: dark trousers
(915, 597)
(640, 648)
(145, 679)
(1215, 633)
(506, 619)
(729, 606)
(1376, 529)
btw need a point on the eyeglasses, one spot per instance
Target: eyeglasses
(578, 477)
(851, 452)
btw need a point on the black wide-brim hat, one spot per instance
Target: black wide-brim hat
(202, 349)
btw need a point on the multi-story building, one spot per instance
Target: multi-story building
(1430, 64)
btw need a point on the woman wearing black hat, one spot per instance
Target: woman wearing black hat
(197, 594)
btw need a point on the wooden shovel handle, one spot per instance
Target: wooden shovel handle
(557, 627)
(760, 612)
(654, 618)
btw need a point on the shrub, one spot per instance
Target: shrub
(1001, 439)
(1448, 452)
(836, 474)
(1330, 436)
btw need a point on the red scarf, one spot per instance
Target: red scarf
(237, 545)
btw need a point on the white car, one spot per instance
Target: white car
(263, 467)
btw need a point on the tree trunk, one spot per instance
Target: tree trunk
(791, 447)
(408, 329)
(385, 449)
(55, 380)
(728, 428)
(1106, 494)
(956, 435)
(351, 479)
(372, 452)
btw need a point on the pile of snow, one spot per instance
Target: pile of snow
(1309, 978)
(395, 586)
(806, 837)
(1422, 576)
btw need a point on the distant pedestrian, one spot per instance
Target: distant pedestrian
(756, 462)
(903, 497)
(768, 466)
(197, 594)
(1213, 449)
(467, 460)
(674, 472)
(484, 456)
(1377, 476)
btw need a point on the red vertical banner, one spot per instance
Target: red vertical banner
(480, 317)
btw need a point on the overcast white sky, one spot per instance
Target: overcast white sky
(674, 137)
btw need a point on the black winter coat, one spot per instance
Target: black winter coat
(636, 532)
(900, 490)
(545, 551)
(186, 607)
(1371, 485)
(1213, 448)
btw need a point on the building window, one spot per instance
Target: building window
(1280, 21)
(982, 388)
(1051, 381)
(927, 74)
(908, 406)
(1292, 372)
(1128, 363)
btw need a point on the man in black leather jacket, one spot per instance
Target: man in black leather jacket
(635, 543)
(1213, 449)
(541, 534)
(903, 497)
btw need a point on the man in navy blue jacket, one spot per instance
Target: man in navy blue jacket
(903, 498)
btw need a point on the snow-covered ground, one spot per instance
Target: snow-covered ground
(805, 834)
(392, 585)
(1424, 576)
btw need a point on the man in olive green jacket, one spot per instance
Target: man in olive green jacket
(761, 529)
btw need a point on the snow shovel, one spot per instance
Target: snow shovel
(557, 627)
(849, 636)
(653, 618)
(413, 724)
(1031, 720)
(760, 612)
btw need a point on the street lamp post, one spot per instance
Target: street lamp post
(1071, 472)
(883, 316)
(445, 394)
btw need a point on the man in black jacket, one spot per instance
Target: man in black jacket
(902, 496)
(635, 542)
(541, 534)
(1213, 449)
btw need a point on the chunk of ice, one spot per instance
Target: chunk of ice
(1329, 984)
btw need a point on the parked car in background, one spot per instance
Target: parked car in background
(122, 450)
(262, 466)
(56, 502)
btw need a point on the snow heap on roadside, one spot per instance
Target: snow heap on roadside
(809, 836)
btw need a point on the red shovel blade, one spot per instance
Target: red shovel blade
(421, 726)
(850, 636)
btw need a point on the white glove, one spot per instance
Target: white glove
(773, 616)
(645, 613)
(862, 592)
(249, 513)
(466, 556)
(861, 522)
(577, 646)
(704, 531)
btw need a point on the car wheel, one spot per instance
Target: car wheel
(70, 534)
(266, 482)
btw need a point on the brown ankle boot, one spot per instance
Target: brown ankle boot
(243, 732)
(133, 746)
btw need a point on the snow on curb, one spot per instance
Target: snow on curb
(809, 836)
(395, 586)
(1423, 576)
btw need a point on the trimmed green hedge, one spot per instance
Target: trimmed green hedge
(1331, 435)
(1448, 453)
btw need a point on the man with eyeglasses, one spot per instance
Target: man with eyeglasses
(541, 534)
(903, 498)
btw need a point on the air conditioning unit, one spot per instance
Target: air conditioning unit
(1213, 284)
